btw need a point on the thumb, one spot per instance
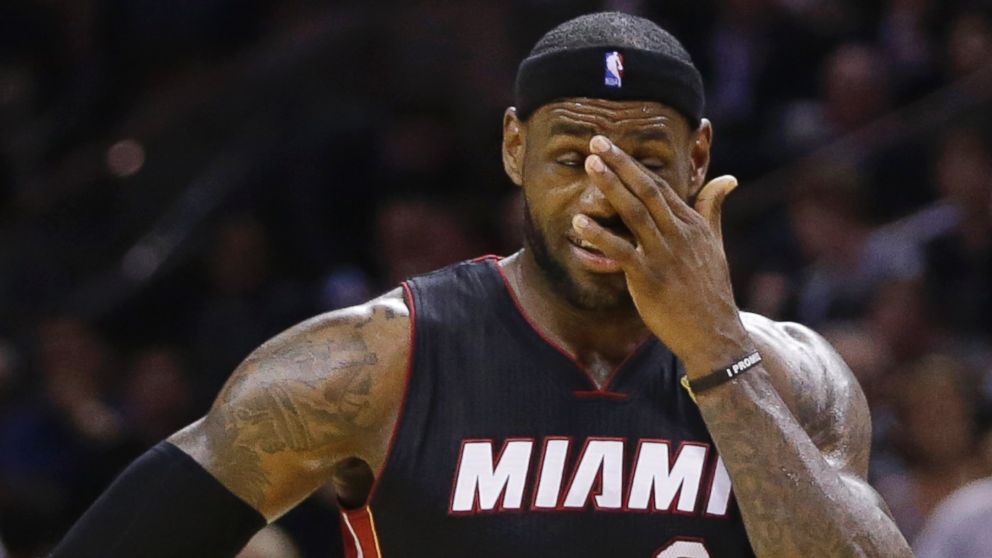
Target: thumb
(709, 202)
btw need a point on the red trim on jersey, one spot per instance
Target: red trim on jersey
(408, 294)
(359, 535)
(493, 257)
(605, 388)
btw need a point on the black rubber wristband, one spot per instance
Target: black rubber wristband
(723, 375)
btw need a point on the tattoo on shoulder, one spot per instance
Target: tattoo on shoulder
(311, 395)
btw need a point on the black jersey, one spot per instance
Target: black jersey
(505, 447)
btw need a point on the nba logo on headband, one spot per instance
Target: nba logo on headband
(614, 69)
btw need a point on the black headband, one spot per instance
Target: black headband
(621, 74)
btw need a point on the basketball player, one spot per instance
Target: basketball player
(596, 394)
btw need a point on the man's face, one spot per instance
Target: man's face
(554, 146)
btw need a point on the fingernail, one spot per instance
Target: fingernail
(595, 164)
(580, 222)
(599, 144)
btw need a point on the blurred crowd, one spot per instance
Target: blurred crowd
(181, 180)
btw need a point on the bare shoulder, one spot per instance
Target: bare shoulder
(325, 390)
(818, 387)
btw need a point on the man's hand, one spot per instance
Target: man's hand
(677, 271)
(797, 498)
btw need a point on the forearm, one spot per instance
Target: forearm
(793, 502)
(163, 505)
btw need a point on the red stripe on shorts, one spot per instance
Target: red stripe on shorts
(358, 530)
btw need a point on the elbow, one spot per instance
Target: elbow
(886, 542)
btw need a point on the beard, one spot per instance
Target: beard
(605, 295)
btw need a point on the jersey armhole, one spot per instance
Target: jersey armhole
(411, 304)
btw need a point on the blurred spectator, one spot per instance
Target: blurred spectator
(75, 364)
(416, 236)
(829, 222)
(832, 18)
(756, 59)
(157, 399)
(246, 304)
(937, 460)
(61, 446)
(747, 61)
(855, 90)
(457, 51)
(901, 321)
(908, 37)
(957, 169)
(968, 42)
(846, 260)
(959, 260)
(419, 145)
(872, 365)
(868, 359)
(958, 528)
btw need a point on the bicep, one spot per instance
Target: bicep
(842, 429)
(312, 396)
(834, 412)
(820, 390)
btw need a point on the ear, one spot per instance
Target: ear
(514, 141)
(699, 157)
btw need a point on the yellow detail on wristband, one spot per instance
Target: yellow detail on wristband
(685, 383)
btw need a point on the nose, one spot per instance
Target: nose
(593, 202)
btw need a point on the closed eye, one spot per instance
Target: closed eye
(653, 164)
(573, 160)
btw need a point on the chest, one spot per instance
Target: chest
(541, 463)
(508, 447)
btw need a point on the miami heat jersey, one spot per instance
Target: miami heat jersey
(505, 447)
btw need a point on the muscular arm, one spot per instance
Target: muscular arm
(312, 403)
(799, 460)
(317, 396)
(794, 432)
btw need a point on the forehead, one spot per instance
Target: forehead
(614, 119)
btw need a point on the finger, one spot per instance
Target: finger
(611, 245)
(709, 202)
(631, 210)
(660, 199)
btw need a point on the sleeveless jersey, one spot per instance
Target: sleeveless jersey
(506, 448)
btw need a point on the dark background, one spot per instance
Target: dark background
(181, 180)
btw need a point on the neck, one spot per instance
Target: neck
(596, 338)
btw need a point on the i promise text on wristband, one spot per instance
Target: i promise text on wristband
(723, 375)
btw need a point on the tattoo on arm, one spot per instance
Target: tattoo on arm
(301, 403)
(797, 471)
